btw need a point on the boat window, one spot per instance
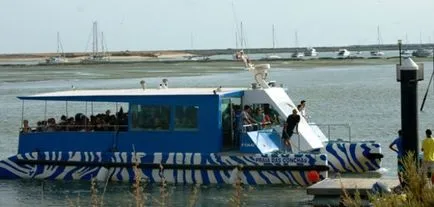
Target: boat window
(186, 117)
(148, 117)
(75, 116)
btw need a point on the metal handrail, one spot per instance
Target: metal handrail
(346, 125)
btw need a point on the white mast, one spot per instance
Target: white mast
(378, 37)
(95, 39)
(274, 37)
(242, 35)
(103, 49)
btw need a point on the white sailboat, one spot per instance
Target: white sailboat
(97, 56)
(406, 51)
(297, 54)
(273, 55)
(422, 52)
(60, 56)
(239, 39)
(378, 52)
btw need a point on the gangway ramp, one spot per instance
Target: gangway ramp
(280, 101)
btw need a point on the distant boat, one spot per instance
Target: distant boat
(239, 52)
(59, 58)
(297, 54)
(343, 53)
(406, 52)
(378, 52)
(96, 56)
(421, 52)
(310, 52)
(359, 52)
(273, 55)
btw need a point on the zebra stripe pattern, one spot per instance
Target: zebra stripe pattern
(197, 168)
(353, 157)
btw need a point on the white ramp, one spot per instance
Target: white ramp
(281, 102)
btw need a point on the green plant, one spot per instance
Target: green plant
(418, 190)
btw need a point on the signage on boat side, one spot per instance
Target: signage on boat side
(282, 160)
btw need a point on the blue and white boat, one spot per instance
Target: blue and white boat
(179, 135)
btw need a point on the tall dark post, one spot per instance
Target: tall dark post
(409, 74)
(400, 52)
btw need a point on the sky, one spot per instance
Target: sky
(31, 26)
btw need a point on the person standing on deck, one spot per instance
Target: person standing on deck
(396, 146)
(303, 109)
(428, 152)
(291, 124)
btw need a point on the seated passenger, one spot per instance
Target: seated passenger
(247, 118)
(51, 125)
(26, 128)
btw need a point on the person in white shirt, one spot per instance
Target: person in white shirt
(303, 109)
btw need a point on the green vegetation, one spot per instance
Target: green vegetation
(418, 191)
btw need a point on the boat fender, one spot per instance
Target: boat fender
(380, 188)
(374, 155)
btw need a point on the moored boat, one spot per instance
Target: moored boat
(179, 135)
(310, 52)
(343, 53)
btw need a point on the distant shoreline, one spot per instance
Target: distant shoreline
(209, 52)
(283, 62)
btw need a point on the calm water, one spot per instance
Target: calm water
(366, 97)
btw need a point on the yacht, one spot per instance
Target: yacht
(272, 56)
(421, 52)
(343, 53)
(97, 56)
(378, 52)
(59, 58)
(310, 52)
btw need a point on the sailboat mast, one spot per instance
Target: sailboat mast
(58, 43)
(378, 37)
(274, 37)
(242, 35)
(103, 49)
(236, 40)
(95, 38)
(296, 39)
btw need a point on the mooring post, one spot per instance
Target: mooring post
(409, 73)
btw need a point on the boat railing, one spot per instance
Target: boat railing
(75, 128)
(331, 127)
(256, 127)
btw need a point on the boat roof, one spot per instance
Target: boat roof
(119, 94)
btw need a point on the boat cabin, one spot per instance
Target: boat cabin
(197, 120)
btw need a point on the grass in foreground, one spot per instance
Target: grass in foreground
(417, 192)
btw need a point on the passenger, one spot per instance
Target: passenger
(63, 123)
(291, 124)
(247, 118)
(258, 115)
(303, 109)
(39, 126)
(274, 116)
(51, 125)
(26, 128)
(428, 152)
(396, 146)
(261, 117)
